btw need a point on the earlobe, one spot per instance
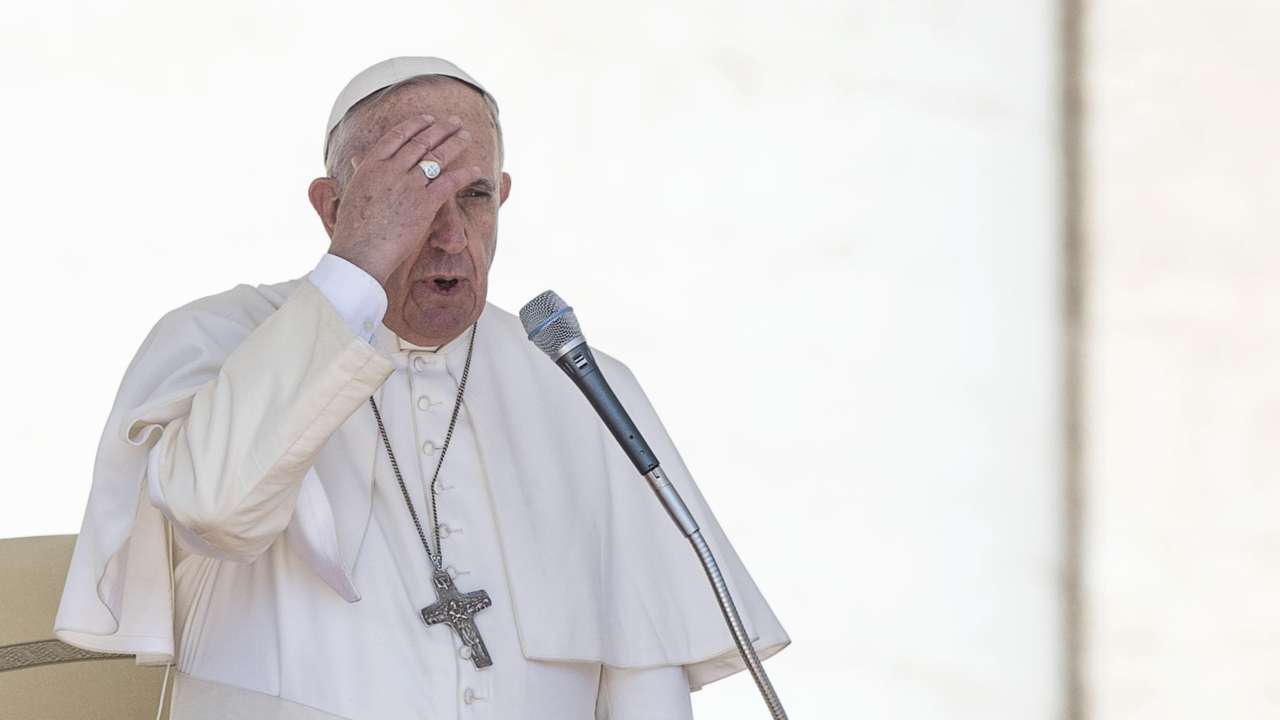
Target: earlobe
(323, 195)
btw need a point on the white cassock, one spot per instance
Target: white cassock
(243, 424)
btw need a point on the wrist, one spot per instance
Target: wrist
(364, 263)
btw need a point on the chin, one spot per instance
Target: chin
(444, 316)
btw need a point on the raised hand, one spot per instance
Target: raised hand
(388, 204)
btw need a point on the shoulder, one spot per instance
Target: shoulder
(243, 305)
(188, 344)
(248, 304)
(218, 322)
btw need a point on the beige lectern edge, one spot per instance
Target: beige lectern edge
(32, 572)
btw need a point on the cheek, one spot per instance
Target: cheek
(482, 258)
(482, 239)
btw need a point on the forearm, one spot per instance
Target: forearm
(229, 471)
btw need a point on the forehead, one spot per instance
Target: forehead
(442, 97)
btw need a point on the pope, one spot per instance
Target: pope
(362, 493)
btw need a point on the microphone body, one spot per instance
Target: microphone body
(581, 367)
(577, 361)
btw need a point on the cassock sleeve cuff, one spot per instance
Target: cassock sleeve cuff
(354, 293)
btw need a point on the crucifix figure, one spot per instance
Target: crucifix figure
(458, 610)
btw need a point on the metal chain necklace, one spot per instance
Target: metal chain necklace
(453, 608)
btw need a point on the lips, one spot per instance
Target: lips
(444, 285)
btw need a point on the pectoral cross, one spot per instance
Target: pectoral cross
(458, 610)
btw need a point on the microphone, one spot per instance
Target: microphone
(552, 326)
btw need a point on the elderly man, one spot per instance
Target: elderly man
(363, 493)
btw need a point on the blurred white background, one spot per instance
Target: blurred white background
(1182, 364)
(850, 215)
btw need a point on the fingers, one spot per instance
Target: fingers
(402, 132)
(426, 142)
(445, 152)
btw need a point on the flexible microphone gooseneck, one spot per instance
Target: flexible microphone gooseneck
(553, 327)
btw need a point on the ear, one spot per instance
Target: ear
(506, 189)
(323, 194)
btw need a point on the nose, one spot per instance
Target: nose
(447, 231)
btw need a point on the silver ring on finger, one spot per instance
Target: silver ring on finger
(430, 168)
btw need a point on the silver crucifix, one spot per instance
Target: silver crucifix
(458, 610)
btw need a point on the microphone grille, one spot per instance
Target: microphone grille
(550, 323)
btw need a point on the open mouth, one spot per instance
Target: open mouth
(445, 285)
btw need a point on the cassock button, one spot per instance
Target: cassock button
(424, 402)
(469, 696)
(446, 531)
(428, 447)
(420, 363)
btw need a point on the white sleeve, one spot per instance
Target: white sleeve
(357, 296)
(229, 463)
(188, 539)
(660, 693)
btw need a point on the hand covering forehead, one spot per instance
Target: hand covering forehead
(388, 73)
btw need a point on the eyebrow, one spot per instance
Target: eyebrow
(482, 184)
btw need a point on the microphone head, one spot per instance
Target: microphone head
(551, 324)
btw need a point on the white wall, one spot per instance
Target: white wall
(850, 210)
(1182, 386)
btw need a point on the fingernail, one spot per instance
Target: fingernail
(465, 134)
(428, 118)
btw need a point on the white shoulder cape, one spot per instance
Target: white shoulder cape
(571, 510)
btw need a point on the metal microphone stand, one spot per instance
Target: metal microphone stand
(683, 519)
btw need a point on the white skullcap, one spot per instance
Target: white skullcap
(387, 73)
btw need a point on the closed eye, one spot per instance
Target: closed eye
(480, 188)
